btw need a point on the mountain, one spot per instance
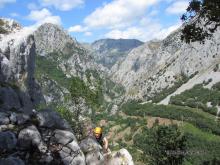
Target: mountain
(31, 133)
(65, 69)
(52, 93)
(158, 68)
(109, 51)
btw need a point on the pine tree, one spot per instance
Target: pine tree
(202, 20)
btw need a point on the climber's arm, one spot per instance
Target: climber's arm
(105, 144)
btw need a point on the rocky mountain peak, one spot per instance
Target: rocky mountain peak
(52, 38)
(9, 25)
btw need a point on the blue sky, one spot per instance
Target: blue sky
(90, 20)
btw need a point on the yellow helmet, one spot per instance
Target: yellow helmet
(98, 130)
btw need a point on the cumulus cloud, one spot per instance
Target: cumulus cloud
(178, 7)
(63, 5)
(88, 33)
(43, 16)
(164, 32)
(118, 13)
(145, 33)
(77, 28)
(4, 2)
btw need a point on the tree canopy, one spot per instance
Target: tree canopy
(202, 19)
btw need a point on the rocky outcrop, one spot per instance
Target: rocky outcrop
(95, 155)
(51, 119)
(17, 59)
(40, 143)
(46, 138)
(9, 25)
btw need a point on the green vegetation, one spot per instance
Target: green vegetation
(206, 11)
(164, 144)
(201, 143)
(199, 97)
(50, 68)
(79, 89)
(196, 117)
(2, 30)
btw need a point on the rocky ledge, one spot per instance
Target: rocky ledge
(44, 137)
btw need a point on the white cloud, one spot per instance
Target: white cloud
(4, 2)
(166, 31)
(43, 16)
(77, 28)
(178, 7)
(132, 32)
(88, 33)
(145, 33)
(63, 5)
(118, 13)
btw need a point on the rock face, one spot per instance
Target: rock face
(109, 51)
(51, 119)
(54, 43)
(39, 143)
(17, 58)
(158, 65)
(8, 141)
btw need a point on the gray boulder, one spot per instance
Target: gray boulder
(19, 118)
(8, 141)
(92, 151)
(4, 119)
(120, 157)
(64, 137)
(89, 144)
(11, 161)
(9, 98)
(29, 137)
(51, 119)
(70, 153)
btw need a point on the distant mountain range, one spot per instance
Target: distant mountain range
(109, 51)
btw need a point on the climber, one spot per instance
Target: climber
(101, 139)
